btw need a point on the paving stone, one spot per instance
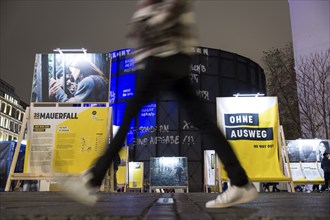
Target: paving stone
(140, 206)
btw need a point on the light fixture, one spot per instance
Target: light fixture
(62, 51)
(249, 95)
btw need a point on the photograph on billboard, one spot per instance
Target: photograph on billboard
(293, 150)
(71, 77)
(307, 150)
(168, 171)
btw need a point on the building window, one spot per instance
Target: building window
(8, 110)
(11, 126)
(16, 128)
(3, 107)
(13, 112)
(6, 125)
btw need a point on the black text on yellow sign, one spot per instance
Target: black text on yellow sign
(40, 128)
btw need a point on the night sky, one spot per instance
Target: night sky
(245, 27)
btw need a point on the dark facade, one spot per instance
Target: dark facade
(162, 127)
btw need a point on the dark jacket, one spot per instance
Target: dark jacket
(325, 164)
(162, 28)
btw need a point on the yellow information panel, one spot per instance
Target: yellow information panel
(122, 167)
(65, 139)
(135, 175)
(250, 124)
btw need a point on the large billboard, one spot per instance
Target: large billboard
(71, 78)
(65, 139)
(251, 124)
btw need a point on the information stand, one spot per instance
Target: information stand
(53, 161)
(283, 155)
(251, 125)
(304, 160)
(122, 173)
(211, 171)
(135, 176)
(169, 173)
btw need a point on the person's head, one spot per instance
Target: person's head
(323, 147)
(81, 69)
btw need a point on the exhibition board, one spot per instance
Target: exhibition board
(251, 125)
(56, 144)
(168, 173)
(305, 157)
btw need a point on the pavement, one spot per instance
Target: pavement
(157, 206)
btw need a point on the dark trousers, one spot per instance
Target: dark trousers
(171, 74)
(326, 179)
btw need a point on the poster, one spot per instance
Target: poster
(209, 160)
(169, 171)
(122, 172)
(297, 174)
(71, 78)
(135, 175)
(307, 150)
(65, 139)
(251, 126)
(293, 150)
(311, 172)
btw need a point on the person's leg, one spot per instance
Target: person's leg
(275, 189)
(266, 187)
(103, 163)
(241, 190)
(83, 188)
(326, 180)
(201, 119)
(146, 89)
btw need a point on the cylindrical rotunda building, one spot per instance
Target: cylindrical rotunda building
(162, 127)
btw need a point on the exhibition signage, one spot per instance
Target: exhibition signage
(122, 173)
(210, 167)
(71, 77)
(135, 175)
(251, 126)
(65, 139)
(304, 157)
(307, 150)
(311, 172)
(297, 174)
(168, 172)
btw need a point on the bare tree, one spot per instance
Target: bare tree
(281, 82)
(313, 80)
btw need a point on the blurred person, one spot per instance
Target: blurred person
(116, 164)
(92, 85)
(274, 187)
(163, 36)
(325, 165)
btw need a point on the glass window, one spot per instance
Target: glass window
(3, 107)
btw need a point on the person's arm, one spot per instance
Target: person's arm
(84, 90)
